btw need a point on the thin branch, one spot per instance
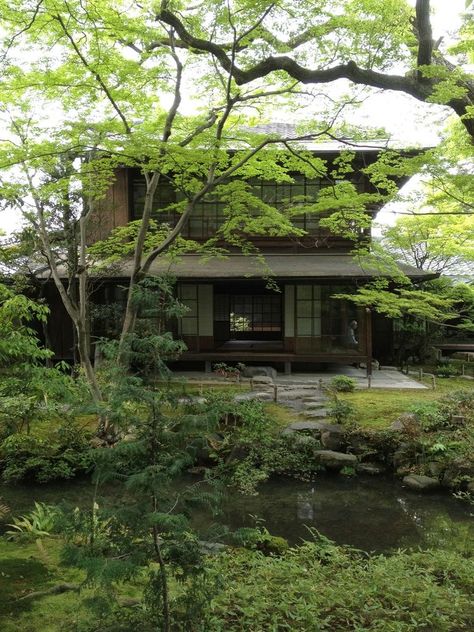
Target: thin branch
(95, 74)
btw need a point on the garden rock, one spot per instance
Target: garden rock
(405, 455)
(405, 422)
(254, 371)
(435, 468)
(420, 483)
(333, 439)
(332, 460)
(370, 468)
(456, 472)
(262, 379)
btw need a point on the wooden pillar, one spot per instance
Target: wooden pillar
(368, 340)
(287, 368)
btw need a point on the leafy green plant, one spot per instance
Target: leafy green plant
(342, 411)
(447, 369)
(225, 370)
(63, 455)
(38, 523)
(343, 384)
(459, 402)
(347, 470)
(260, 539)
(429, 416)
(343, 590)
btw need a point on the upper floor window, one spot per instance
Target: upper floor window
(209, 214)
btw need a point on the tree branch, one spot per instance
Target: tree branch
(94, 73)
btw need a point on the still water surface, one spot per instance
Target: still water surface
(371, 513)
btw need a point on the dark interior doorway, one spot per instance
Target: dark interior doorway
(246, 312)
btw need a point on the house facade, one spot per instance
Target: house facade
(274, 307)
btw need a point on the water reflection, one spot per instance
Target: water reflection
(370, 513)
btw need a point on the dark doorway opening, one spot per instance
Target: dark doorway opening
(248, 316)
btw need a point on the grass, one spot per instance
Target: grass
(29, 567)
(378, 408)
(281, 415)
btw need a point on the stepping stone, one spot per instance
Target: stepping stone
(315, 405)
(315, 398)
(290, 394)
(260, 396)
(320, 413)
(301, 426)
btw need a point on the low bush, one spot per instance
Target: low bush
(342, 411)
(447, 369)
(343, 384)
(429, 416)
(26, 457)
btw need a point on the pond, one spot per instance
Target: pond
(370, 513)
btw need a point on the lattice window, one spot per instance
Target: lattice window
(308, 310)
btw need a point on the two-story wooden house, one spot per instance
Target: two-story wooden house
(233, 315)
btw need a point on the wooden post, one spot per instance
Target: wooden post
(368, 340)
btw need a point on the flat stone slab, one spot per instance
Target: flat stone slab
(301, 426)
(420, 483)
(335, 460)
(292, 394)
(319, 413)
(260, 396)
(315, 405)
(262, 379)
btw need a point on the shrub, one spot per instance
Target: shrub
(447, 369)
(343, 384)
(459, 402)
(429, 416)
(343, 412)
(27, 457)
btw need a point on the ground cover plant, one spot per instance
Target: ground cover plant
(317, 586)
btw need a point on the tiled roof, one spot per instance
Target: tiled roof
(280, 266)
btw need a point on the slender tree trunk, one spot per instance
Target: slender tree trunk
(164, 579)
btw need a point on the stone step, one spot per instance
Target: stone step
(319, 413)
(254, 395)
(315, 405)
(302, 426)
(290, 394)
